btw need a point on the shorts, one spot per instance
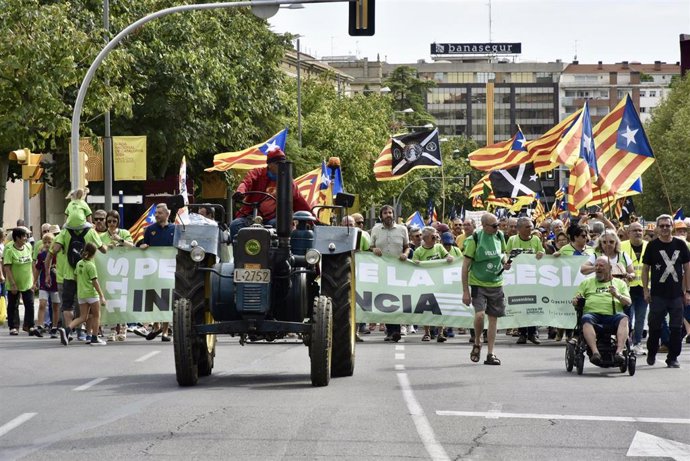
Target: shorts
(604, 322)
(68, 294)
(488, 299)
(44, 295)
(88, 300)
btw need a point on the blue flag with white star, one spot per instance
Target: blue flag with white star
(631, 136)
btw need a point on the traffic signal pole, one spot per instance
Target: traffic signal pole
(77, 174)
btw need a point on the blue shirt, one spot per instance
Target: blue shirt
(156, 235)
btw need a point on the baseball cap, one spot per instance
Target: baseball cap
(447, 238)
(275, 155)
(442, 227)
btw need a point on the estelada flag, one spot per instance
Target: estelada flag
(145, 220)
(251, 157)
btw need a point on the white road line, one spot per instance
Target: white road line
(399, 348)
(426, 433)
(147, 356)
(623, 419)
(18, 421)
(91, 383)
(495, 410)
(399, 367)
(399, 356)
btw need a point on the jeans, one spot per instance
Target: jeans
(13, 309)
(637, 312)
(240, 223)
(658, 309)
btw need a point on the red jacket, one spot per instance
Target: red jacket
(258, 180)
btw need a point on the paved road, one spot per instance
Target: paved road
(410, 400)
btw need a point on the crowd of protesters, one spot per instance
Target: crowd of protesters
(657, 310)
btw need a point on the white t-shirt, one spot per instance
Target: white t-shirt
(623, 266)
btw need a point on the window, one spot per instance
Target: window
(643, 94)
(652, 94)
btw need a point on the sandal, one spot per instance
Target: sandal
(476, 351)
(491, 359)
(426, 338)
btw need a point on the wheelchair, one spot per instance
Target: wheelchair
(576, 348)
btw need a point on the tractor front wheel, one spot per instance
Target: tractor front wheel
(185, 344)
(320, 346)
(336, 283)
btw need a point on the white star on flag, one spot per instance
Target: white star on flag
(533, 177)
(629, 135)
(587, 143)
(271, 145)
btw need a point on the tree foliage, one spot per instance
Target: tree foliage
(409, 92)
(669, 136)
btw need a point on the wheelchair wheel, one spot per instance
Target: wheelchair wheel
(580, 363)
(569, 357)
(624, 367)
(632, 362)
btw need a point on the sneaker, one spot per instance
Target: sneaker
(63, 336)
(387, 338)
(96, 341)
(81, 336)
(450, 333)
(663, 349)
(441, 339)
(639, 350)
(651, 359)
(112, 337)
(121, 337)
(87, 338)
(403, 330)
(672, 363)
(53, 333)
(140, 331)
(533, 339)
(411, 330)
(165, 338)
(38, 331)
(395, 337)
(471, 341)
(153, 334)
(522, 340)
(14, 332)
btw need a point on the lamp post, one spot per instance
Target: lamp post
(299, 96)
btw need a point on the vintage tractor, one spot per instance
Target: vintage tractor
(277, 281)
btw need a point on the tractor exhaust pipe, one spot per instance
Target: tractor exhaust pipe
(284, 205)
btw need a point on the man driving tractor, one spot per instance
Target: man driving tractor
(262, 180)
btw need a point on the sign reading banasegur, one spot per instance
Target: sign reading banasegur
(476, 48)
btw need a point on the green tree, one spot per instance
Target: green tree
(409, 92)
(669, 137)
(45, 49)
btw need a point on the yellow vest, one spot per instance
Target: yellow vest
(626, 247)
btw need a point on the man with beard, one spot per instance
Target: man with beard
(390, 239)
(668, 260)
(605, 298)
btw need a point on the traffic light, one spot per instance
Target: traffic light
(362, 15)
(35, 188)
(31, 168)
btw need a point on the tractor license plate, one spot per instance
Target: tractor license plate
(252, 275)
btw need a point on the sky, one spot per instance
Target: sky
(593, 30)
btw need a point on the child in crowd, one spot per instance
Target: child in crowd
(90, 297)
(78, 212)
(46, 290)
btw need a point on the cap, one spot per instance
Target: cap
(442, 227)
(679, 225)
(447, 238)
(54, 229)
(275, 155)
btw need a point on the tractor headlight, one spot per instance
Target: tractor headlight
(197, 254)
(312, 256)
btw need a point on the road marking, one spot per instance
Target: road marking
(400, 348)
(143, 358)
(399, 367)
(495, 410)
(18, 421)
(426, 433)
(91, 383)
(399, 356)
(648, 445)
(623, 419)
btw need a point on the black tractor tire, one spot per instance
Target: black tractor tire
(190, 284)
(185, 344)
(632, 364)
(320, 348)
(336, 283)
(569, 357)
(579, 363)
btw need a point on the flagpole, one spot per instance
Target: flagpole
(663, 184)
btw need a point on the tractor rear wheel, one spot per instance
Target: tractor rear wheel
(336, 283)
(185, 344)
(320, 347)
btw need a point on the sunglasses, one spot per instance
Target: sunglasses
(113, 221)
(664, 226)
(99, 219)
(495, 226)
(359, 223)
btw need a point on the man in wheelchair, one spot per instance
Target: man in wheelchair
(602, 299)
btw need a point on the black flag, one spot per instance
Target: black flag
(515, 182)
(415, 150)
(628, 209)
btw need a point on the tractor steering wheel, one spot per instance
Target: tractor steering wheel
(264, 196)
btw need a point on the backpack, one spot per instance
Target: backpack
(76, 246)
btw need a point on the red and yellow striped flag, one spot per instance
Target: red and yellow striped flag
(146, 219)
(384, 164)
(309, 185)
(542, 148)
(502, 155)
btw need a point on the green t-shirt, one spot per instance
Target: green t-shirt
(487, 257)
(455, 252)
(20, 262)
(77, 211)
(364, 241)
(533, 245)
(122, 233)
(64, 270)
(570, 250)
(597, 296)
(436, 252)
(85, 273)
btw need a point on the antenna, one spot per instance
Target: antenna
(490, 36)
